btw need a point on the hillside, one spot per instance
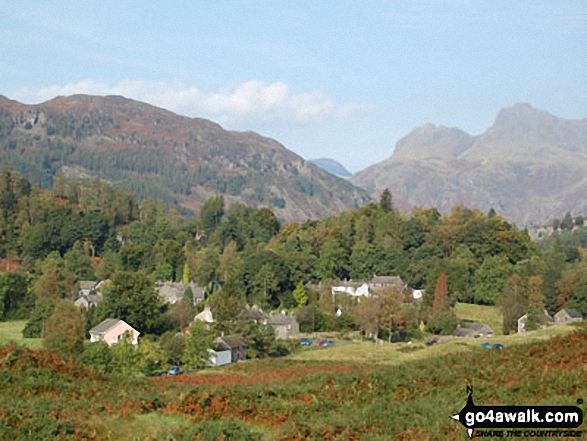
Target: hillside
(529, 165)
(161, 155)
(288, 399)
(331, 166)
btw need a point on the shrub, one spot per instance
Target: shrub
(213, 430)
(442, 322)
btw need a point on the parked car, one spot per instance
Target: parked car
(498, 346)
(486, 344)
(327, 343)
(431, 342)
(174, 371)
(305, 342)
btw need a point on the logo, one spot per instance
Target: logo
(474, 417)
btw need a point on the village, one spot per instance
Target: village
(228, 349)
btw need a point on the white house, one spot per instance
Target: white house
(112, 331)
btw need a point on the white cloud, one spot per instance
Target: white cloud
(250, 105)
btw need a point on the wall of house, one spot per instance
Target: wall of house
(219, 358)
(114, 334)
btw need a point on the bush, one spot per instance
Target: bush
(40, 314)
(443, 322)
(213, 430)
(98, 356)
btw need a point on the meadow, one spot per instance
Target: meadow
(292, 398)
(11, 331)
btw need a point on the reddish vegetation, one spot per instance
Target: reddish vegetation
(9, 265)
(239, 376)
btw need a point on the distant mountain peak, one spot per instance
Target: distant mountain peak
(431, 140)
(531, 165)
(522, 115)
(331, 166)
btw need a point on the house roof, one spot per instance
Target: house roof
(172, 292)
(573, 313)
(478, 327)
(228, 342)
(103, 327)
(255, 313)
(205, 315)
(280, 319)
(87, 284)
(463, 332)
(387, 280)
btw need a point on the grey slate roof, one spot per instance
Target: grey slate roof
(87, 284)
(255, 313)
(103, 327)
(172, 292)
(228, 342)
(573, 313)
(280, 319)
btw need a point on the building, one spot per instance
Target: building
(285, 325)
(567, 315)
(544, 321)
(205, 316)
(90, 293)
(473, 330)
(232, 344)
(372, 286)
(112, 331)
(173, 292)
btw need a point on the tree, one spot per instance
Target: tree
(47, 287)
(79, 263)
(579, 299)
(513, 303)
(13, 296)
(366, 316)
(265, 286)
(332, 261)
(229, 310)
(163, 271)
(175, 348)
(386, 202)
(567, 222)
(230, 262)
(64, 330)
(98, 356)
(300, 295)
(566, 286)
(390, 314)
(186, 276)
(131, 296)
(490, 279)
(210, 214)
(181, 313)
(126, 359)
(441, 301)
(197, 346)
(260, 340)
(206, 264)
(36, 323)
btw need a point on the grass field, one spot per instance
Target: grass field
(368, 352)
(490, 315)
(12, 331)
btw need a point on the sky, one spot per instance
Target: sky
(339, 79)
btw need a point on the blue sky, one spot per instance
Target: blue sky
(334, 79)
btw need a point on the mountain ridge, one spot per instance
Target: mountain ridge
(165, 156)
(529, 166)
